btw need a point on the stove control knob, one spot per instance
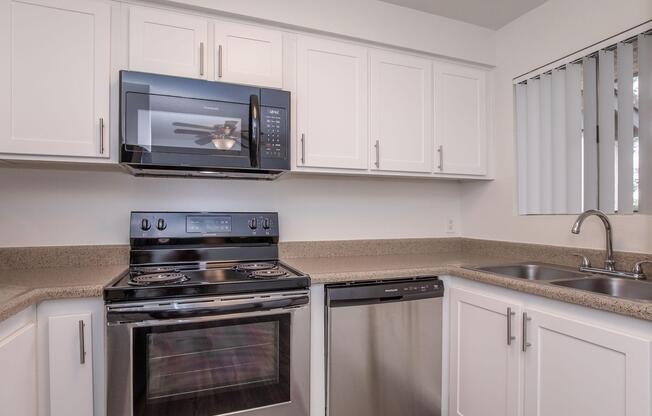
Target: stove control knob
(266, 224)
(161, 224)
(253, 223)
(145, 225)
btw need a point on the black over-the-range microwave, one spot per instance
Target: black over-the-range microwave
(172, 126)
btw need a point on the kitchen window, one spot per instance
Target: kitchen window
(580, 141)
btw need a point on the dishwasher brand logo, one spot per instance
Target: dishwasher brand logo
(391, 290)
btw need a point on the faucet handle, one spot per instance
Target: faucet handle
(585, 260)
(638, 270)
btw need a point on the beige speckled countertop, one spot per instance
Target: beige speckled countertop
(21, 288)
(355, 268)
(28, 276)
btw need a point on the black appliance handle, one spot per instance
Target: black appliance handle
(254, 131)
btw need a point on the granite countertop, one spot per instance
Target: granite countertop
(21, 288)
(84, 271)
(324, 270)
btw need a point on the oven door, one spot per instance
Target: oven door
(232, 355)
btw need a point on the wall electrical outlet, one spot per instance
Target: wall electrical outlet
(450, 226)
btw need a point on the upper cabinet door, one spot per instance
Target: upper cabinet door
(575, 368)
(484, 361)
(248, 55)
(55, 74)
(460, 120)
(401, 112)
(168, 43)
(331, 104)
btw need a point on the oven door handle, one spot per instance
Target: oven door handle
(254, 131)
(200, 311)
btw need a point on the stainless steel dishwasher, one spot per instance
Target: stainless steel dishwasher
(384, 343)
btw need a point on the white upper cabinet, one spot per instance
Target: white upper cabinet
(575, 368)
(168, 43)
(460, 120)
(332, 104)
(248, 55)
(484, 365)
(55, 74)
(401, 112)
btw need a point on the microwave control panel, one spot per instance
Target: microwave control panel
(274, 138)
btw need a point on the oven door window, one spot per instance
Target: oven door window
(211, 368)
(185, 125)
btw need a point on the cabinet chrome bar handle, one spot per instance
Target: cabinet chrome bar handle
(510, 337)
(82, 347)
(201, 59)
(219, 64)
(526, 344)
(101, 135)
(303, 148)
(440, 150)
(377, 146)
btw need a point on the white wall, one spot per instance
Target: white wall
(371, 20)
(58, 207)
(557, 28)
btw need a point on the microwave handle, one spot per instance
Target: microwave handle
(254, 131)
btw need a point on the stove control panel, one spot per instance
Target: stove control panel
(162, 225)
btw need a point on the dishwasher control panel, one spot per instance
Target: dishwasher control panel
(421, 287)
(393, 290)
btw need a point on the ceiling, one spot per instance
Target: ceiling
(492, 14)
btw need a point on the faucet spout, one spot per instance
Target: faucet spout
(609, 262)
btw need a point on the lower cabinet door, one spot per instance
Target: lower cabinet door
(71, 365)
(574, 368)
(18, 373)
(484, 363)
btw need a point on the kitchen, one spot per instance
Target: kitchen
(403, 133)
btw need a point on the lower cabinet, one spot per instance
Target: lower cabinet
(70, 356)
(554, 364)
(18, 365)
(71, 364)
(574, 368)
(484, 357)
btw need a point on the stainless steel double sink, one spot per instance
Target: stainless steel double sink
(567, 277)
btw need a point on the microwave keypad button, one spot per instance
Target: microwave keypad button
(273, 127)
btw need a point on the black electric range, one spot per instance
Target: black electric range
(191, 254)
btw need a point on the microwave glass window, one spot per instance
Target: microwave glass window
(186, 125)
(195, 131)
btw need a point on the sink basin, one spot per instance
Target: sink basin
(533, 271)
(613, 286)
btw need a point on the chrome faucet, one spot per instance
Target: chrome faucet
(609, 263)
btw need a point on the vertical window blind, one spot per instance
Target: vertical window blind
(584, 132)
